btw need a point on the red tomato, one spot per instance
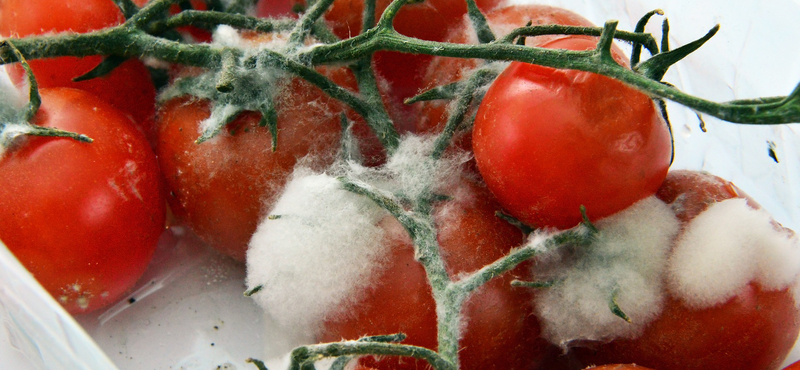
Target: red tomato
(547, 141)
(499, 332)
(754, 330)
(442, 70)
(221, 188)
(128, 88)
(83, 218)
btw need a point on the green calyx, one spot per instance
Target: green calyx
(15, 121)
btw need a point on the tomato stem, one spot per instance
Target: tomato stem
(636, 53)
(479, 22)
(303, 27)
(127, 42)
(304, 356)
(460, 106)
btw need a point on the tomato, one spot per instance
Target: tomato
(128, 87)
(755, 329)
(547, 141)
(222, 187)
(83, 218)
(502, 21)
(498, 332)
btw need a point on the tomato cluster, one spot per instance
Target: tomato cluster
(551, 147)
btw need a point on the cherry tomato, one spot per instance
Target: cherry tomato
(753, 330)
(128, 87)
(83, 218)
(547, 141)
(221, 188)
(442, 71)
(499, 330)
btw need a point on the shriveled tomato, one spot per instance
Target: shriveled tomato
(222, 187)
(498, 332)
(83, 218)
(502, 21)
(754, 329)
(547, 141)
(128, 87)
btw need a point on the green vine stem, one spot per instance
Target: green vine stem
(130, 40)
(303, 357)
(448, 294)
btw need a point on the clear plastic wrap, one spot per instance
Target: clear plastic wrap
(189, 313)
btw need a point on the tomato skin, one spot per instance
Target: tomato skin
(128, 87)
(83, 218)
(692, 192)
(499, 331)
(221, 188)
(754, 330)
(547, 141)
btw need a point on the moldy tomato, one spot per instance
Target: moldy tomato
(499, 331)
(223, 186)
(752, 330)
(547, 141)
(83, 218)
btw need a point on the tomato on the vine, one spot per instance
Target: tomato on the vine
(428, 20)
(499, 331)
(548, 141)
(443, 70)
(128, 87)
(221, 188)
(84, 218)
(753, 330)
